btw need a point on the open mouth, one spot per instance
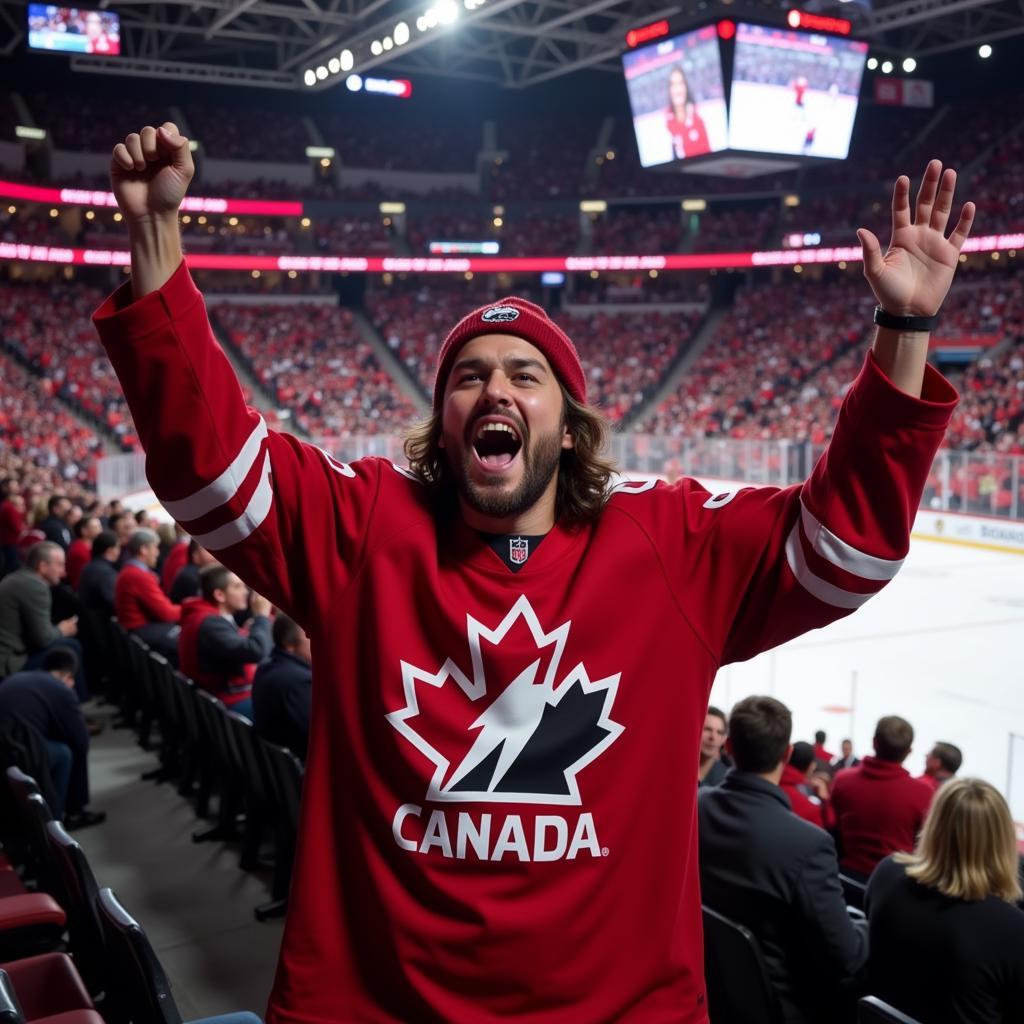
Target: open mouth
(496, 445)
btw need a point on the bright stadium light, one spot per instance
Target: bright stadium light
(447, 11)
(334, 65)
(354, 83)
(388, 43)
(401, 34)
(321, 72)
(887, 67)
(346, 59)
(376, 48)
(909, 64)
(872, 63)
(984, 51)
(430, 17)
(421, 23)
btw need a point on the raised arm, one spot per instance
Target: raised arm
(288, 518)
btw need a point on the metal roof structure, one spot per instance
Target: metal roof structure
(315, 44)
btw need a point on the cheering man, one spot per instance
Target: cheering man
(513, 655)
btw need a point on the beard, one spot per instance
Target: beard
(540, 463)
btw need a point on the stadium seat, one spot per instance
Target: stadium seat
(138, 654)
(76, 889)
(47, 985)
(256, 790)
(10, 1011)
(166, 707)
(32, 814)
(871, 1010)
(222, 770)
(853, 891)
(191, 737)
(739, 991)
(285, 773)
(144, 993)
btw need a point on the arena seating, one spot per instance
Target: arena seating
(49, 325)
(241, 132)
(311, 359)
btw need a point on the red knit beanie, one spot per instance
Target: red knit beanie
(525, 320)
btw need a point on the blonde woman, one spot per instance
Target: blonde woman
(946, 938)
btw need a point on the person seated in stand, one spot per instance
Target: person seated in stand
(214, 652)
(54, 526)
(44, 699)
(807, 791)
(776, 874)
(282, 689)
(142, 607)
(846, 758)
(27, 630)
(86, 530)
(97, 584)
(879, 808)
(712, 768)
(186, 580)
(174, 560)
(821, 754)
(941, 764)
(947, 941)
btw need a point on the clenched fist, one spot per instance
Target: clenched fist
(150, 172)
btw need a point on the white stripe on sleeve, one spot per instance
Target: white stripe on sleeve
(826, 592)
(835, 550)
(225, 487)
(255, 512)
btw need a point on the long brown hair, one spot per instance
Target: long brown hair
(968, 848)
(584, 471)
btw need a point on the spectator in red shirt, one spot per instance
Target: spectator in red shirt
(12, 523)
(821, 754)
(941, 764)
(879, 807)
(86, 530)
(807, 791)
(174, 562)
(142, 607)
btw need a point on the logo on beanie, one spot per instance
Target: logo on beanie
(500, 315)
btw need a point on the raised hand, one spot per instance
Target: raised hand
(150, 172)
(915, 273)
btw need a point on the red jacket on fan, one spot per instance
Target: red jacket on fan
(12, 522)
(138, 598)
(474, 871)
(879, 810)
(79, 555)
(173, 564)
(803, 806)
(229, 687)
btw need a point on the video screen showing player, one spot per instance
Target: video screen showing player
(794, 92)
(73, 30)
(677, 97)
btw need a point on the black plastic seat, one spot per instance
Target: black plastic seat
(143, 995)
(138, 655)
(871, 1010)
(853, 891)
(33, 815)
(739, 990)
(223, 767)
(76, 890)
(285, 774)
(256, 790)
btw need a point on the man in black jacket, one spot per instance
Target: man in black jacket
(282, 689)
(96, 584)
(45, 701)
(773, 872)
(54, 526)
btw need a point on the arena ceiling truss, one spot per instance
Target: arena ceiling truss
(513, 43)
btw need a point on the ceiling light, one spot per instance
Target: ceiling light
(321, 72)
(388, 42)
(872, 63)
(375, 48)
(354, 83)
(346, 60)
(401, 34)
(334, 65)
(887, 67)
(984, 51)
(310, 77)
(447, 11)
(909, 65)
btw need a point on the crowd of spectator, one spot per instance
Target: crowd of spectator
(49, 326)
(852, 876)
(311, 359)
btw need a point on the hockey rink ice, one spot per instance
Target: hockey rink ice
(942, 645)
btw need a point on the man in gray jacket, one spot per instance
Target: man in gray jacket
(26, 628)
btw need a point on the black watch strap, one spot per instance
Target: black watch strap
(905, 323)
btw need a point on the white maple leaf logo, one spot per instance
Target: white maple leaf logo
(533, 738)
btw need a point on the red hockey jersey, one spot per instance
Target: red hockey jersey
(499, 812)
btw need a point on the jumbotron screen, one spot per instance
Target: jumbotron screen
(73, 30)
(794, 92)
(677, 97)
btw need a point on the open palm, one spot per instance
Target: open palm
(914, 275)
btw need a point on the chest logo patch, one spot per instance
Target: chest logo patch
(518, 728)
(518, 550)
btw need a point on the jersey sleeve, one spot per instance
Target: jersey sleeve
(759, 566)
(286, 516)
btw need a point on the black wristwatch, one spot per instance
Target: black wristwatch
(905, 323)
